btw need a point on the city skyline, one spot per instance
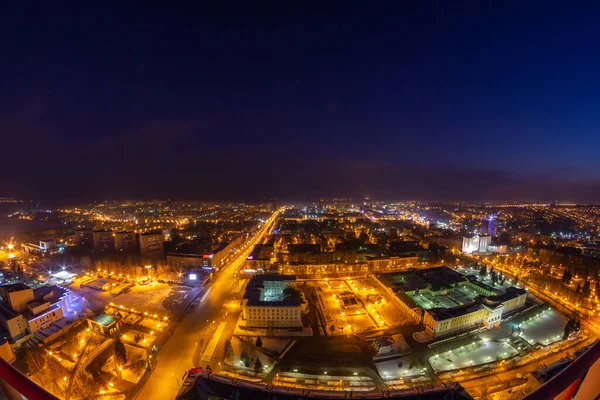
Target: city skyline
(394, 200)
(446, 102)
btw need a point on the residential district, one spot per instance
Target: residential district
(328, 299)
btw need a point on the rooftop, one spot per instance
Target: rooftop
(441, 314)
(304, 248)
(36, 303)
(103, 319)
(150, 233)
(509, 293)
(16, 287)
(42, 291)
(255, 291)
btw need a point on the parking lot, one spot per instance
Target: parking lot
(156, 298)
(544, 327)
(476, 353)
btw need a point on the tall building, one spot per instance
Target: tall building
(125, 241)
(489, 226)
(104, 240)
(84, 237)
(151, 246)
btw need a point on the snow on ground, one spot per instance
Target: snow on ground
(95, 300)
(146, 340)
(134, 367)
(497, 333)
(479, 352)
(545, 327)
(238, 346)
(153, 324)
(400, 345)
(275, 346)
(132, 319)
(136, 364)
(147, 298)
(399, 368)
(422, 337)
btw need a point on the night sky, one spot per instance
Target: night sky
(473, 101)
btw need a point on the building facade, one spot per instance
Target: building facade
(151, 246)
(24, 310)
(125, 241)
(450, 301)
(271, 302)
(104, 240)
(84, 237)
(476, 244)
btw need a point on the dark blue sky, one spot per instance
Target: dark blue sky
(469, 101)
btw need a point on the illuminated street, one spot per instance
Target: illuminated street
(181, 351)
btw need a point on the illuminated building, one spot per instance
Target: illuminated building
(259, 259)
(470, 244)
(450, 301)
(476, 244)
(484, 243)
(271, 302)
(46, 247)
(24, 310)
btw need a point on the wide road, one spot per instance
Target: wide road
(178, 353)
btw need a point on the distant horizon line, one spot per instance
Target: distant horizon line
(15, 201)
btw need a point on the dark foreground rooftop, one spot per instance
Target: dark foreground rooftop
(203, 386)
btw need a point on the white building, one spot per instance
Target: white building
(271, 302)
(383, 345)
(46, 247)
(484, 243)
(473, 244)
(470, 244)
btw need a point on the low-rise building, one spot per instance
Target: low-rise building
(24, 310)
(270, 301)
(103, 323)
(259, 259)
(46, 247)
(450, 301)
(386, 264)
(383, 345)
